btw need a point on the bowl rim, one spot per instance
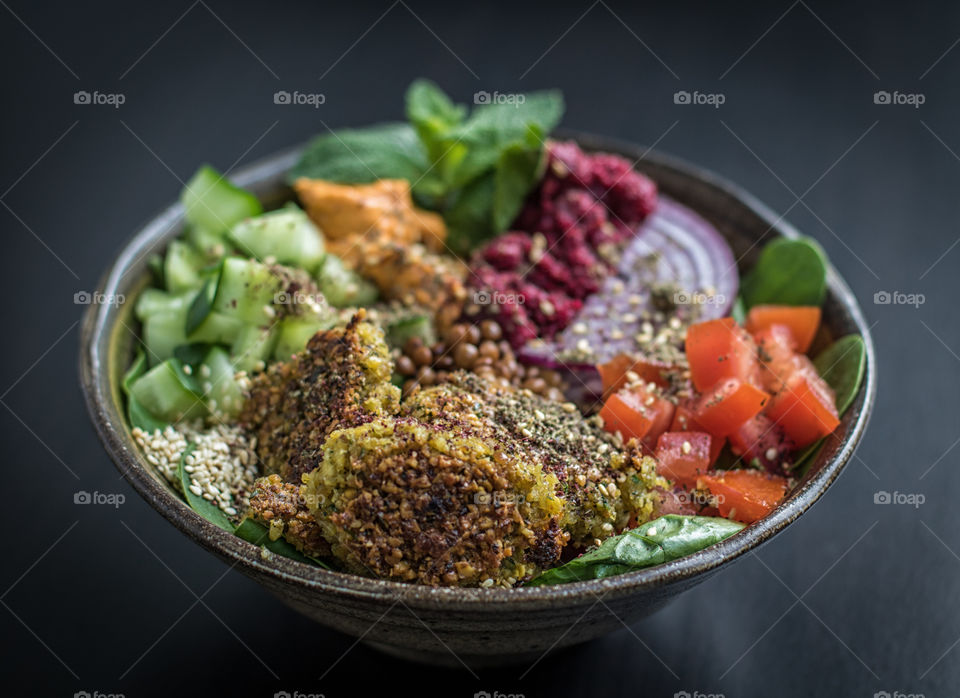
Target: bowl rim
(99, 326)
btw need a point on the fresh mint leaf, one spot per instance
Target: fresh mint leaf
(359, 156)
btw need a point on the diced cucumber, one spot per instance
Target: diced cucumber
(165, 331)
(253, 347)
(287, 235)
(343, 287)
(181, 267)
(247, 291)
(294, 333)
(211, 245)
(213, 204)
(138, 415)
(153, 300)
(402, 330)
(167, 393)
(216, 374)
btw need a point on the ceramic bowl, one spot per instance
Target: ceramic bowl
(456, 626)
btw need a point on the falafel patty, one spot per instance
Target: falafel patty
(410, 501)
(342, 379)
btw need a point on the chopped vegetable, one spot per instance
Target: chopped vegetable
(138, 415)
(637, 413)
(246, 291)
(342, 287)
(760, 441)
(720, 349)
(168, 393)
(744, 495)
(802, 322)
(213, 204)
(682, 456)
(286, 236)
(661, 540)
(728, 405)
(805, 406)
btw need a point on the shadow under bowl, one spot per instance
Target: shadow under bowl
(453, 626)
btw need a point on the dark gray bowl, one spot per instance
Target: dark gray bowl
(456, 626)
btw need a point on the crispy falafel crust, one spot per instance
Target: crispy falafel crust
(401, 499)
(281, 507)
(341, 380)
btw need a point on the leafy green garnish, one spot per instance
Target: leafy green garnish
(789, 272)
(206, 509)
(661, 540)
(842, 365)
(200, 306)
(358, 156)
(475, 169)
(258, 534)
(137, 414)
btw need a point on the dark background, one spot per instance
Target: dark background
(853, 599)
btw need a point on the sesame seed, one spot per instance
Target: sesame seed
(686, 447)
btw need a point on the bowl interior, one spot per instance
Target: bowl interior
(109, 340)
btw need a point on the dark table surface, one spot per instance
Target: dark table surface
(854, 598)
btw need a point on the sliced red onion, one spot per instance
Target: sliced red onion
(675, 248)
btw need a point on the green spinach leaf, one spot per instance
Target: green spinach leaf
(789, 272)
(206, 509)
(662, 540)
(258, 534)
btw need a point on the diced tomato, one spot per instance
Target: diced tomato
(775, 347)
(806, 406)
(719, 349)
(614, 372)
(722, 410)
(637, 413)
(763, 441)
(802, 322)
(744, 495)
(684, 420)
(683, 455)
